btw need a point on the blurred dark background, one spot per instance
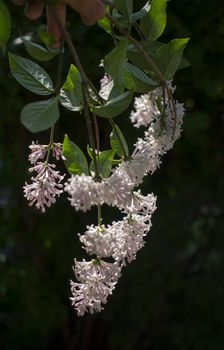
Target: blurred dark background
(172, 296)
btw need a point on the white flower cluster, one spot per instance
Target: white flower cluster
(46, 185)
(97, 280)
(116, 190)
(121, 240)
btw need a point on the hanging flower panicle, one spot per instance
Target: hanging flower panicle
(97, 280)
(46, 185)
(121, 240)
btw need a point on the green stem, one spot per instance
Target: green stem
(90, 133)
(99, 215)
(67, 38)
(59, 72)
(51, 142)
(139, 31)
(97, 134)
(112, 28)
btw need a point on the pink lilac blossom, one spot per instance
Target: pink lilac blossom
(97, 279)
(131, 232)
(57, 150)
(83, 192)
(146, 110)
(121, 240)
(37, 152)
(45, 186)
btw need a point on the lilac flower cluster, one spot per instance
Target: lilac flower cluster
(46, 185)
(121, 240)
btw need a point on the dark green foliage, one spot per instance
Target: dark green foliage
(115, 106)
(41, 115)
(5, 25)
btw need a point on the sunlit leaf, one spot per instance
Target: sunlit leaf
(71, 92)
(30, 75)
(104, 163)
(153, 24)
(115, 144)
(74, 159)
(168, 57)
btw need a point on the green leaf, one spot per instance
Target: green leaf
(113, 62)
(75, 160)
(154, 23)
(116, 91)
(141, 13)
(105, 23)
(39, 52)
(5, 25)
(47, 38)
(104, 162)
(71, 92)
(41, 115)
(30, 75)
(115, 106)
(115, 144)
(184, 63)
(169, 56)
(149, 46)
(125, 7)
(135, 79)
(90, 151)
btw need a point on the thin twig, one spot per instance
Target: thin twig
(96, 133)
(139, 31)
(59, 72)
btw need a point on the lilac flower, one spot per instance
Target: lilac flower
(37, 152)
(84, 192)
(122, 239)
(57, 150)
(45, 187)
(98, 240)
(130, 232)
(146, 109)
(97, 280)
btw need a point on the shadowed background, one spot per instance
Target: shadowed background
(172, 296)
